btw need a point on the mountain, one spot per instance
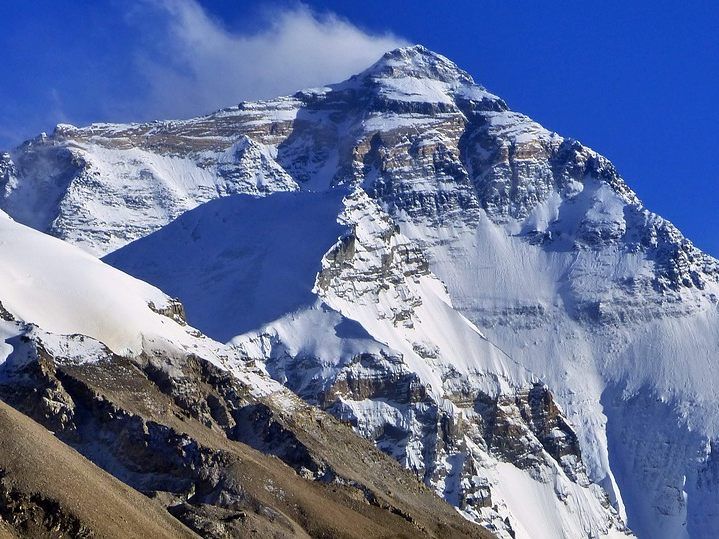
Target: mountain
(486, 300)
(108, 365)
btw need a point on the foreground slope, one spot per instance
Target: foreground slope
(108, 364)
(71, 494)
(539, 241)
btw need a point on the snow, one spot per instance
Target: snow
(139, 190)
(474, 93)
(64, 290)
(518, 128)
(8, 330)
(78, 308)
(539, 514)
(664, 350)
(436, 325)
(387, 122)
(416, 90)
(212, 253)
(239, 262)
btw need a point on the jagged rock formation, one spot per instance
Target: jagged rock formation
(183, 433)
(141, 189)
(540, 244)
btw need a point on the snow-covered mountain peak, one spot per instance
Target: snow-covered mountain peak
(418, 62)
(418, 76)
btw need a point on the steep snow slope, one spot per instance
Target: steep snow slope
(376, 341)
(105, 304)
(65, 293)
(539, 241)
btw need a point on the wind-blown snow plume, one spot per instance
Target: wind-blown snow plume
(199, 65)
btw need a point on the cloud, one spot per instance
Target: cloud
(196, 65)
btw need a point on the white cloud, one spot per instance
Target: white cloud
(197, 65)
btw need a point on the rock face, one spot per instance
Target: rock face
(49, 490)
(141, 190)
(457, 214)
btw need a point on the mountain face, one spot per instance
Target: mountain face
(370, 335)
(108, 365)
(485, 300)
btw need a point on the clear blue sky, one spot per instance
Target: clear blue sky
(636, 80)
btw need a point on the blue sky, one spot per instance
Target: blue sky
(638, 81)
